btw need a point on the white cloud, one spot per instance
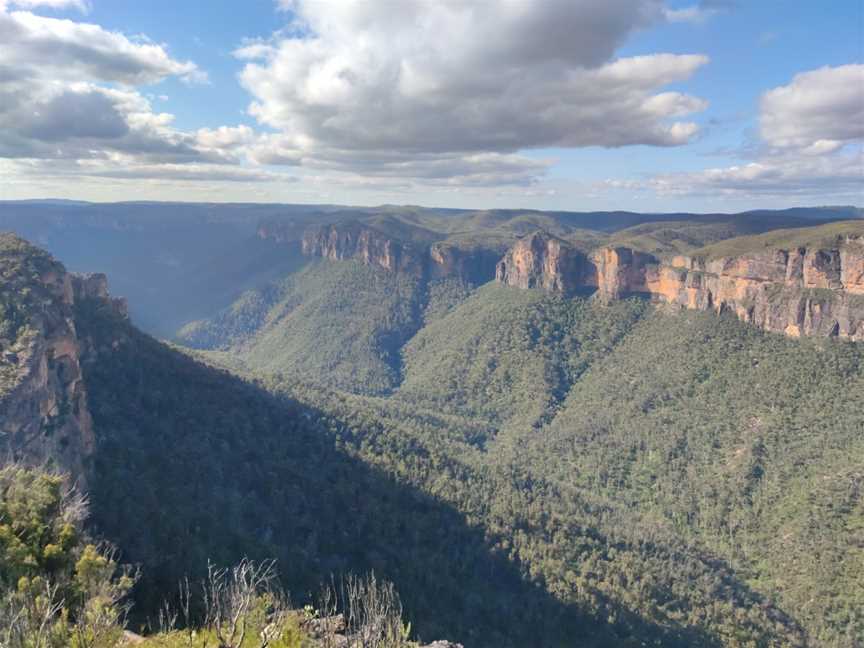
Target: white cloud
(811, 144)
(820, 110)
(69, 106)
(379, 88)
(698, 13)
(447, 94)
(834, 176)
(67, 50)
(80, 5)
(66, 91)
(686, 15)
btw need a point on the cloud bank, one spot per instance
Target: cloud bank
(381, 88)
(811, 143)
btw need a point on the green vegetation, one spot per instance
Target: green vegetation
(22, 294)
(823, 236)
(57, 589)
(684, 236)
(526, 469)
(694, 454)
(508, 355)
(745, 443)
(345, 321)
(637, 465)
(60, 590)
(247, 474)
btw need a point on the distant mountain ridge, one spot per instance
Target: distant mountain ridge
(181, 262)
(751, 284)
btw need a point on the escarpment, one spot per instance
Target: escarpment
(354, 240)
(541, 260)
(44, 413)
(805, 290)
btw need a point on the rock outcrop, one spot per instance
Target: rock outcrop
(475, 265)
(620, 271)
(355, 240)
(802, 291)
(44, 414)
(541, 260)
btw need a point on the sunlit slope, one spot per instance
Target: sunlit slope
(338, 323)
(747, 443)
(510, 356)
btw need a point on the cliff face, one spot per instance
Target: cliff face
(475, 265)
(43, 399)
(802, 291)
(619, 271)
(354, 240)
(544, 261)
(541, 260)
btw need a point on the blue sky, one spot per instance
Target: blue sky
(421, 135)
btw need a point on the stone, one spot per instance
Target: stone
(804, 291)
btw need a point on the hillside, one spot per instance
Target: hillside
(722, 437)
(525, 466)
(250, 474)
(166, 429)
(823, 236)
(344, 321)
(545, 400)
(689, 438)
(181, 262)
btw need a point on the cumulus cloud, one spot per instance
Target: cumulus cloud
(85, 120)
(812, 143)
(80, 5)
(840, 175)
(66, 91)
(70, 105)
(384, 87)
(73, 51)
(819, 111)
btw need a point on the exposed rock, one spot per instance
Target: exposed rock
(355, 240)
(95, 286)
(43, 408)
(475, 265)
(620, 271)
(803, 291)
(352, 240)
(541, 260)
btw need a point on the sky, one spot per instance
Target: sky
(646, 105)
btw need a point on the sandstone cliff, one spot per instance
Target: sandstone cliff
(541, 260)
(43, 399)
(815, 290)
(356, 240)
(352, 240)
(472, 264)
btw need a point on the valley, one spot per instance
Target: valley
(546, 429)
